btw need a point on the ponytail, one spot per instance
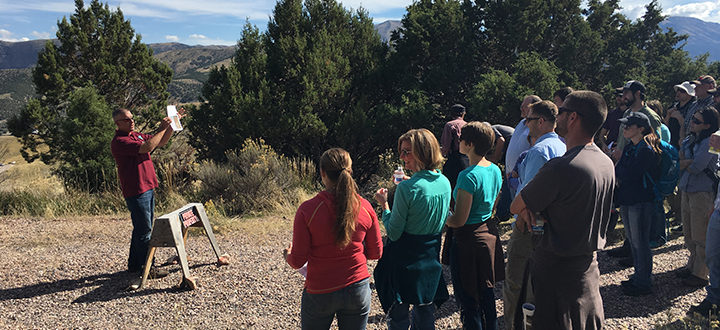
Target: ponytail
(337, 164)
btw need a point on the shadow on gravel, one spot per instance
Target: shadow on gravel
(110, 286)
(666, 289)
(608, 264)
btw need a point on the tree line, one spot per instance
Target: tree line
(320, 76)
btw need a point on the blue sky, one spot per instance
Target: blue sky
(219, 22)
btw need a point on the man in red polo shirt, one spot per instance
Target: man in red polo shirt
(138, 181)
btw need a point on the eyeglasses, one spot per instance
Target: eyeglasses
(127, 120)
(564, 109)
(404, 152)
(696, 121)
(529, 119)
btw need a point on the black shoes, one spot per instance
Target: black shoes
(683, 272)
(620, 252)
(694, 281)
(704, 308)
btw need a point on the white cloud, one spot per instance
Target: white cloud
(199, 39)
(41, 35)
(707, 11)
(172, 38)
(197, 36)
(6, 35)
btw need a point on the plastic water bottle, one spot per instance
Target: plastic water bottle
(399, 175)
(539, 227)
(713, 150)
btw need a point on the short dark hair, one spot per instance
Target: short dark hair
(457, 109)
(533, 98)
(591, 107)
(480, 135)
(563, 92)
(545, 109)
(118, 112)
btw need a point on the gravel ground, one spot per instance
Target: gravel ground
(62, 274)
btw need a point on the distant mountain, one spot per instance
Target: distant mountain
(704, 37)
(190, 65)
(386, 28)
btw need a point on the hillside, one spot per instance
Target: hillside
(704, 37)
(16, 88)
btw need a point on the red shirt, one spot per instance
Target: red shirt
(330, 268)
(135, 170)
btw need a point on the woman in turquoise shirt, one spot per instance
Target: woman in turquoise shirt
(476, 256)
(409, 271)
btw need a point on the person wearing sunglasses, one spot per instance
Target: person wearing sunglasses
(573, 194)
(138, 181)
(409, 272)
(697, 192)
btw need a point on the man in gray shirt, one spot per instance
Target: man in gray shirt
(573, 194)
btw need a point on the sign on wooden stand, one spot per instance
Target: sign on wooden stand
(170, 230)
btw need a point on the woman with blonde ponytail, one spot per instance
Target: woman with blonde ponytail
(335, 233)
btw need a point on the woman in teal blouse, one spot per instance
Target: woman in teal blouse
(476, 256)
(409, 271)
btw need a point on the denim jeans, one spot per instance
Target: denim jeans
(658, 232)
(142, 212)
(351, 304)
(712, 257)
(638, 219)
(473, 315)
(423, 317)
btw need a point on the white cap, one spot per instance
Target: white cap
(687, 87)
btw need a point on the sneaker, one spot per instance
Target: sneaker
(620, 252)
(156, 273)
(627, 262)
(694, 281)
(704, 308)
(683, 272)
(634, 290)
(626, 283)
(656, 244)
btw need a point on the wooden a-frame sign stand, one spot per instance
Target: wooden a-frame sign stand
(170, 230)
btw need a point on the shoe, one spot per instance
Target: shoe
(694, 281)
(620, 252)
(683, 272)
(156, 273)
(677, 229)
(626, 283)
(704, 308)
(627, 262)
(656, 244)
(634, 290)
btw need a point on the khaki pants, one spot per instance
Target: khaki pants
(696, 210)
(519, 249)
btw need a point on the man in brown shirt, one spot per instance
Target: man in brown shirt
(573, 193)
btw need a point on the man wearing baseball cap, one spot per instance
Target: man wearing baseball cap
(634, 97)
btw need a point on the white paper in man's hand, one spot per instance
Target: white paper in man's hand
(174, 118)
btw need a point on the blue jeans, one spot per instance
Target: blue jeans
(712, 257)
(658, 232)
(351, 304)
(423, 317)
(142, 212)
(473, 315)
(638, 219)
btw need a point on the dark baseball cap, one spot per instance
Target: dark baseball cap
(704, 80)
(634, 86)
(636, 118)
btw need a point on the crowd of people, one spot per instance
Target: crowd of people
(571, 169)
